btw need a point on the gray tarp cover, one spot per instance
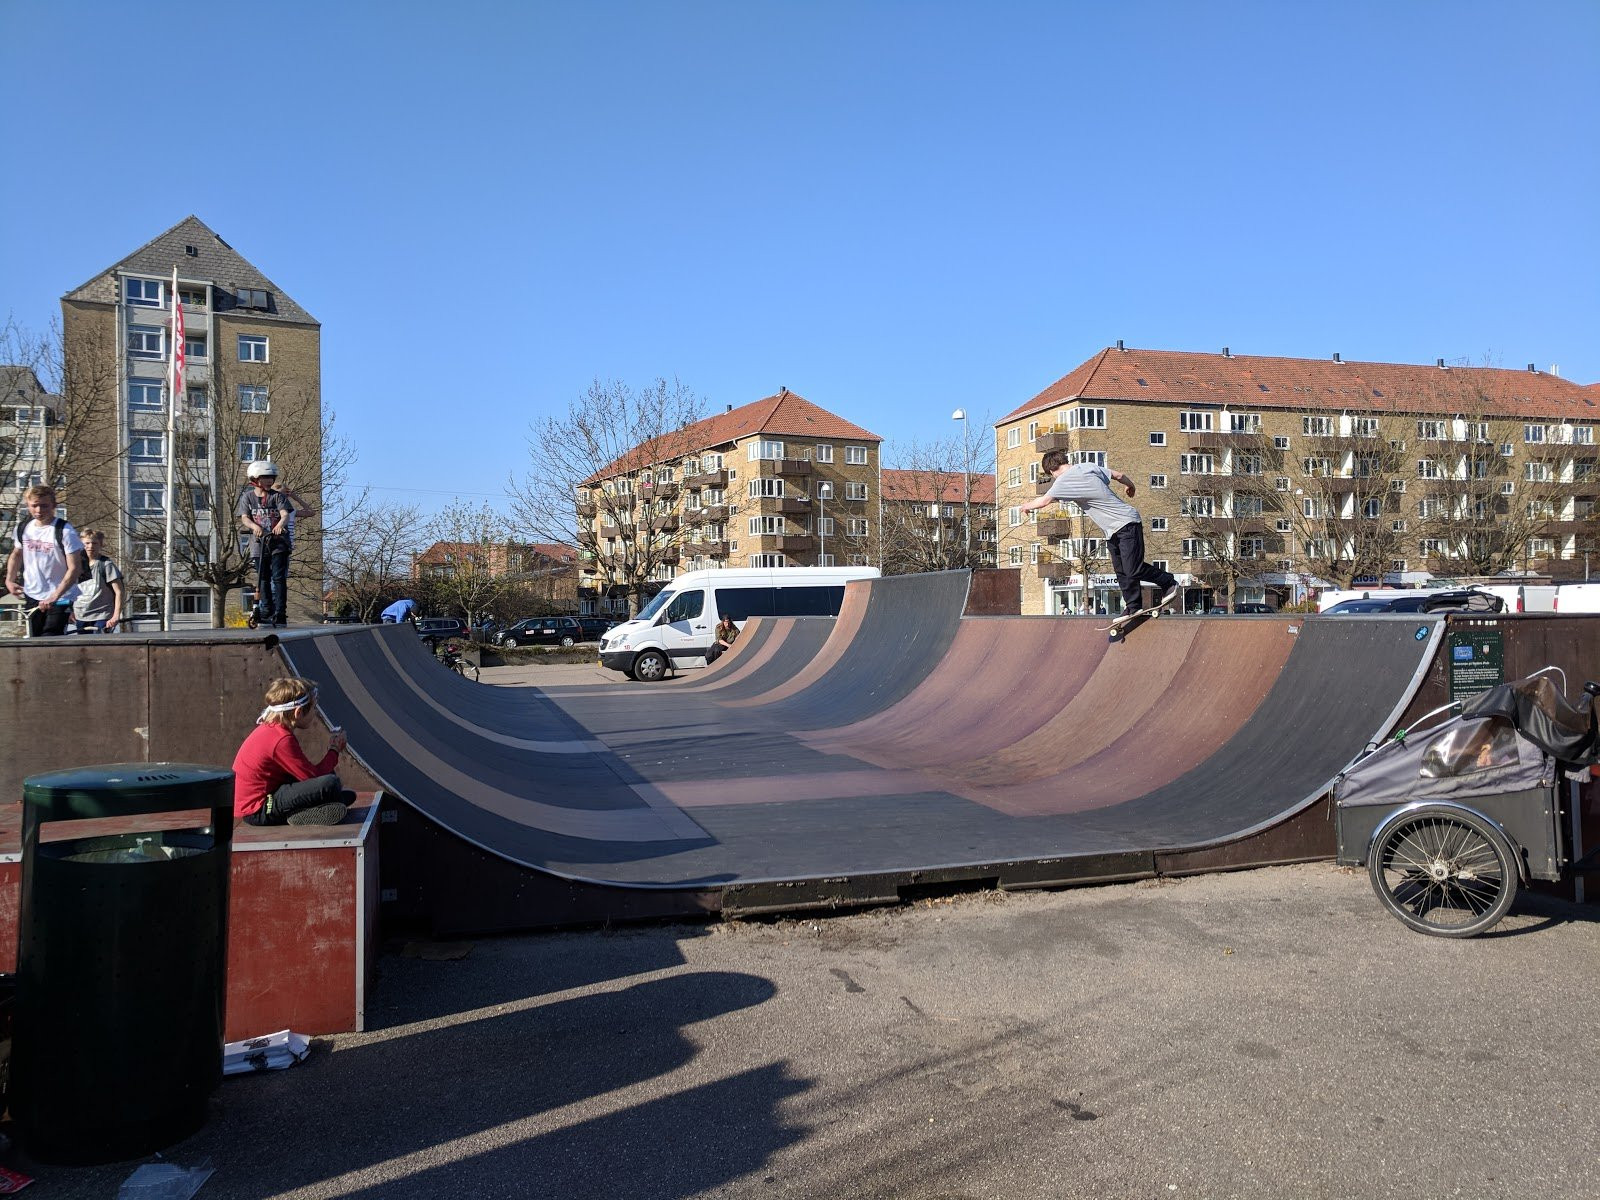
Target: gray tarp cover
(1541, 713)
(1464, 757)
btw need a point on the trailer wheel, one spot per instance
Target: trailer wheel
(1443, 871)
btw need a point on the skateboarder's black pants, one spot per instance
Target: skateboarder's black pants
(1126, 547)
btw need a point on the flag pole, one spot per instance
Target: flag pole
(174, 385)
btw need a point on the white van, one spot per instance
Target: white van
(675, 628)
(1577, 598)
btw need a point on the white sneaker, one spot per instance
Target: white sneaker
(1172, 593)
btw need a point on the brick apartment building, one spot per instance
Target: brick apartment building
(1271, 477)
(252, 390)
(776, 483)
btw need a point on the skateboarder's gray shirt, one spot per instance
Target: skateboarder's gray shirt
(1089, 486)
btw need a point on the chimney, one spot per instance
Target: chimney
(1532, 370)
(1336, 357)
(1226, 353)
(1440, 363)
(1119, 343)
(730, 408)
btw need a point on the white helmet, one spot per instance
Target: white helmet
(262, 466)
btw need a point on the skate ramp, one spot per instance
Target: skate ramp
(900, 740)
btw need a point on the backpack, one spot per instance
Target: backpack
(82, 556)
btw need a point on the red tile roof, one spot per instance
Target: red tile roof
(920, 486)
(1246, 382)
(783, 415)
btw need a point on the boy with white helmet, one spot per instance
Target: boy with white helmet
(265, 513)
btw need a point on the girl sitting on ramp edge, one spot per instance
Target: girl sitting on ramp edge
(274, 782)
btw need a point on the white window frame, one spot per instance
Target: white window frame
(137, 292)
(855, 456)
(1013, 438)
(255, 392)
(765, 487)
(148, 342)
(146, 499)
(145, 388)
(254, 342)
(1158, 481)
(824, 453)
(1194, 421)
(855, 491)
(254, 446)
(1158, 438)
(147, 449)
(858, 527)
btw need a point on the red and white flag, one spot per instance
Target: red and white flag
(175, 382)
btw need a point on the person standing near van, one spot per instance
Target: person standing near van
(98, 608)
(44, 565)
(1088, 485)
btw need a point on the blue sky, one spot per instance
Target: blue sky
(893, 209)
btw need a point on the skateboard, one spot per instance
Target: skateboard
(1118, 628)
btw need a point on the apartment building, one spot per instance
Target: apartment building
(252, 389)
(1270, 478)
(776, 483)
(935, 520)
(29, 425)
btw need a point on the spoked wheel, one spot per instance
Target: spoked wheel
(467, 671)
(1444, 871)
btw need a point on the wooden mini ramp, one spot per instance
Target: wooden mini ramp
(900, 745)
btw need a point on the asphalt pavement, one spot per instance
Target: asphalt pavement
(1269, 1033)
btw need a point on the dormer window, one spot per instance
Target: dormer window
(254, 298)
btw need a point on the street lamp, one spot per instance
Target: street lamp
(960, 414)
(824, 493)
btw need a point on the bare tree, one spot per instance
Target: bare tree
(465, 570)
(604, 477)
(368, 560)
(79, 398)
(934, 514)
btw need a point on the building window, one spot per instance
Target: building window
(1432, 431)
(145, 341)
(825, 526)
(1533, 433)
(1196, 464)
(146, 449)
(1317, 468)
(1015, 514)
(252, 448)
(1280, 443)
(771, 489)
(767, 560)
(1086, 418)
(1247, 464)
(855, 456)
(1537, 472)
(1252, 547)
(1316, 426)
(855, 491)
(857, 527)
(1158, 524)
(145, 395)
(1433, 546)
(1013, 438)
(765, 526)
(191, 297)
(1196, 548)
(1583, 435)
(1244, 423)
(1014, 477)
(1194, 422)
(194, 447)
(1280, 483)
(824, 453)
(200, 499)
(762, 448)
(1014, 555)
(1540, 547)
(1158, 439)
(192, 602)
(1397, 526)
(1372, 509)
(199, 400)
(146, 293)
(1247, 506)
(252, 298)
(1095, 457)
(1158, 481)
(194, 346)
(1198, 506)
(1397, 485)
(147, 552)
(1033, 431)
(1283, 525)
(252, 348)
(146, 499)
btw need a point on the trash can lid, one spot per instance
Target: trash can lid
(117, 789)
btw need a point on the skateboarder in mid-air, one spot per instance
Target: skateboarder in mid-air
(1089, 486)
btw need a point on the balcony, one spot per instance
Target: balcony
(586, 510)
(1054, 569)
(786, 467)
(793, 542)
(1056, 528)
(1226, 441)
(659, 491)
(709, 549)
(706, 512)
(1052, 439)
(794, 504)
(706, 479)
(665, 523)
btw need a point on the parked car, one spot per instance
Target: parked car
(433, 630)
(1253, 608)
(1456, 600)
(553, 631)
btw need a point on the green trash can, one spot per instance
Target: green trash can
(121, 961)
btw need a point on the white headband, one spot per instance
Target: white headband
(290, 706)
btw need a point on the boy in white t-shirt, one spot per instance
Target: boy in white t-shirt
(43, 566)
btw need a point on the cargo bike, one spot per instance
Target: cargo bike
(1451, 815)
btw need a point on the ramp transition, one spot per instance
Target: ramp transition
(902, 744)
